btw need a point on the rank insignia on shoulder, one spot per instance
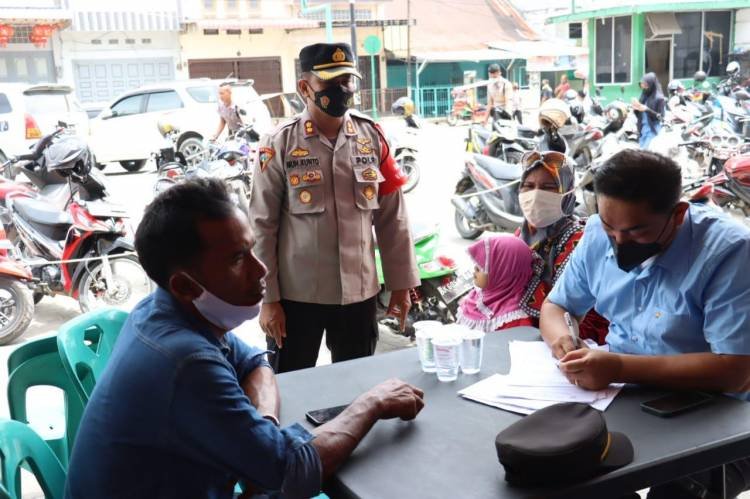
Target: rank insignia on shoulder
(265, 155)
(294, 180)
(305, 196)
(364, 149)
(363, 141)
(369, 192)
(312, 177)
(349, 128)
(309, 128)
(299, 153)
(370, 175)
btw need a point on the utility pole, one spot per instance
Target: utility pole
(353, 27)
(408, 48)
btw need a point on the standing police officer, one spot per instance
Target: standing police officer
(322, 180)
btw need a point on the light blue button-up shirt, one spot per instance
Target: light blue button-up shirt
(693, 297)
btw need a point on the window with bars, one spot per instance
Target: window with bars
(340, 15)
(21, 34)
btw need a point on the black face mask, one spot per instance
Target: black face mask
(334, 100)
(631, 254)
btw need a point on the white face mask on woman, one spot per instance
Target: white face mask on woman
(541, 208)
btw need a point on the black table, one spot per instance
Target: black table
(449, 450)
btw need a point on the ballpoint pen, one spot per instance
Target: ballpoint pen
(572, 328)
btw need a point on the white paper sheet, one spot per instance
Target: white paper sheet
(535, 382)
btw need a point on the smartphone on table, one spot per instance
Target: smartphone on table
(676, 403)
(322, 416)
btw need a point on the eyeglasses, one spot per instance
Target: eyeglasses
(551, 160)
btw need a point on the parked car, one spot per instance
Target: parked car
(126, 130)
(27, 112)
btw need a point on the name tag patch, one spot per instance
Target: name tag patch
(304, 162)
(365, 160)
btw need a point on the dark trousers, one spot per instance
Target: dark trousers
(351, 332)
(518, 115)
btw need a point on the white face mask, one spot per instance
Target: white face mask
(220, 313)
(541, 208)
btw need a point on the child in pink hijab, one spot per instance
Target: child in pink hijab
(503, 267)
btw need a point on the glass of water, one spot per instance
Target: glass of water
(424, 332)
(446, 350)
(470, 357)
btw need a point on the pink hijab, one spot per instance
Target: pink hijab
(507, 261)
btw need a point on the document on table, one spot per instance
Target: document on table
(535, 382)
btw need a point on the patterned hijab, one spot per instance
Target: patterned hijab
(507, 262)
(538, 238)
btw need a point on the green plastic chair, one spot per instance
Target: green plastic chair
(47, 370)
(85, 344)
(18, 445)
(30, 349)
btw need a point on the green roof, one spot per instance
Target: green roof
(624, 10)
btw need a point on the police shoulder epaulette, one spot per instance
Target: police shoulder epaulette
(284, 124)
(358, 114)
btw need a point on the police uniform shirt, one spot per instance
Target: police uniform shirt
(313, 206)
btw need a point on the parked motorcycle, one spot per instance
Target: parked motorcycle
(729, 189)
(405, 146)
(464, 110)
(74, 240)
(734, 105)
(228, 162)
(16, 296)
(441, 288)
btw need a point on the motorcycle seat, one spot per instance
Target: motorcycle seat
(499, 169)
(41, 212)
(482, 132)
(526, 131)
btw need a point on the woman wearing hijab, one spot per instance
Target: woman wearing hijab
(649, 109)
(551, 230)
(502, 268)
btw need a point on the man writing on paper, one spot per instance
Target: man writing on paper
(669, 276)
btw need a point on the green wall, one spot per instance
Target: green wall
(446, 74)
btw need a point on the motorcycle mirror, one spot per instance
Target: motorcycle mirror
(62, 124)
(243, 112)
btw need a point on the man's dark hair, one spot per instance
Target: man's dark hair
(634, 175)
(168, 237)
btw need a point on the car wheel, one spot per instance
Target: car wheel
(133, 165)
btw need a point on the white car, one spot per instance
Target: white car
(126, 130)
(27, 112)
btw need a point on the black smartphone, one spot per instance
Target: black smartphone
(322, 416)
(675, 403)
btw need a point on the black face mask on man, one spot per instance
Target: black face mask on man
(334, 100)
(631, 254)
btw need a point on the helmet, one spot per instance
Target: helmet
(674, 86)
(165, 126)
(554, 113)
(403, 106)
(571, 95)
(733, 68)
(577, 111)
(699, 76)
(69, 154)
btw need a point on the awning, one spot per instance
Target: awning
(663, 24)
(538, 48)
(126, 21)
(61, 17)
(644, 7)
(463, 55)
(256, 23)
